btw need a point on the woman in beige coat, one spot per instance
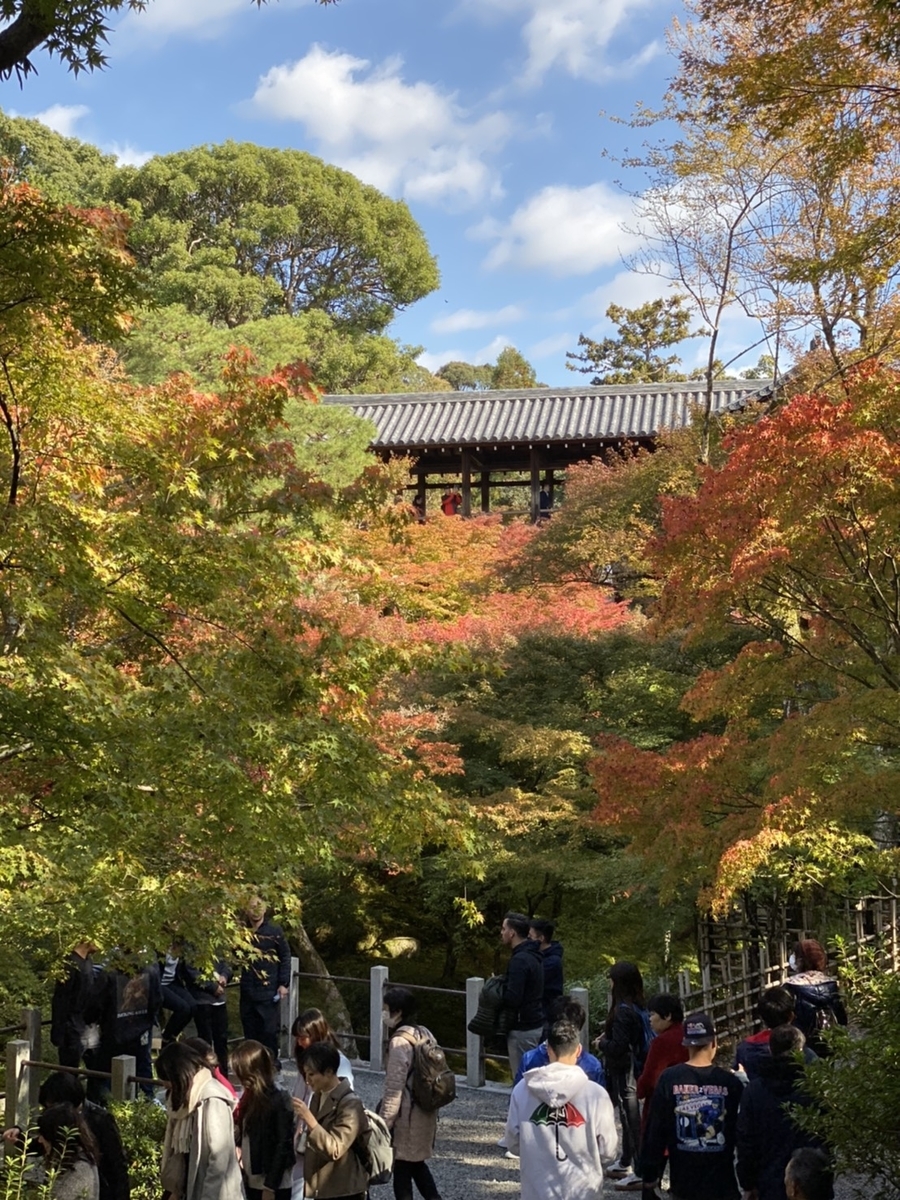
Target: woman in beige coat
(413, 1130)
(335, 1120)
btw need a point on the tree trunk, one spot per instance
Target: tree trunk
(311, 962)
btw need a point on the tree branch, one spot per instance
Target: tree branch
(162, 645)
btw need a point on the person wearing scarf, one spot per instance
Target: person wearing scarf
(199, 1161)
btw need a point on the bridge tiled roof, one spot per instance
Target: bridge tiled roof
(545, 415)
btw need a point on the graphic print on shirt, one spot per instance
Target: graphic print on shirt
(700, 1117)
(556, 1115)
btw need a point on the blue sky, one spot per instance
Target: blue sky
(484, 115)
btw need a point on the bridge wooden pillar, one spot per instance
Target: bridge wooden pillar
(466, 483)
(535, 459)
(485, 491)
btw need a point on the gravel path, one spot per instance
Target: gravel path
(467, 1163)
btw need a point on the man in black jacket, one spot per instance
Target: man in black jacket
(265, 979)
(71, 1004)
(552, 964)
(522, 996)
(129, 1000)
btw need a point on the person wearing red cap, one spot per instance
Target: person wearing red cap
(693, 1117)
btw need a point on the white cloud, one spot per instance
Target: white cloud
(410, 139)
(200, 18)
(574, 35)
(470, 318)
(488, 353)
(128, 155)
(62, 118)
(434, 362)
(553, 346)
(562, 230)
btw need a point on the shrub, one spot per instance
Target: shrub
(858, 1087)
(22, 1177)
(143, 1127)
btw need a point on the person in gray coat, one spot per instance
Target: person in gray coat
(199, 1160)
(413, 1129)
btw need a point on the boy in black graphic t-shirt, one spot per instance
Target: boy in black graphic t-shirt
(693, 1115)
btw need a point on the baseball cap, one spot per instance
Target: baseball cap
(699, 1030)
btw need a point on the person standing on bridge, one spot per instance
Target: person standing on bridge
(265, 979)
(524, 989)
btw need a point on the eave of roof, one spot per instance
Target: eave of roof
(608, 413)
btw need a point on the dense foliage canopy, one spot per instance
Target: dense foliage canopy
(792, 540)
(237, 232)
(184, 715)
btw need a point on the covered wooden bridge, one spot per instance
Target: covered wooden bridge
(485, 440)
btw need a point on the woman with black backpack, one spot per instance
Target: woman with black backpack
(412, 1127)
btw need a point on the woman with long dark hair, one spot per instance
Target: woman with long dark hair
(623, 1046)
(265, 1125)
(70, 1153)
(199, 1160)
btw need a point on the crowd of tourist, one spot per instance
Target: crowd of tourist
(720, 1132)
(234, 1131)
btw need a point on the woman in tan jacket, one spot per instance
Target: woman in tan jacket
(413, 1129)
(334, 1120)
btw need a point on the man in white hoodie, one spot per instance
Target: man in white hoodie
(561, 1125)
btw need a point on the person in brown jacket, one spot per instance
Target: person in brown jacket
(334, 1119)
(412, 1128)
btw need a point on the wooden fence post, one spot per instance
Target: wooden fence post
(289, 1008)
(474, 1043)
(124, 1068)
(31, 1024)
(18, 1108)
(378, 977)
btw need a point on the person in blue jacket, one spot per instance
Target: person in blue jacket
(564, 1009)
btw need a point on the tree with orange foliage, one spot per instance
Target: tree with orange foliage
(794, 539)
